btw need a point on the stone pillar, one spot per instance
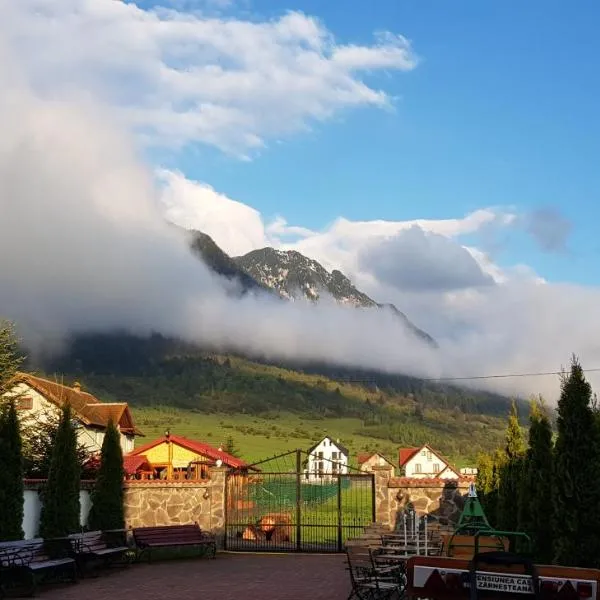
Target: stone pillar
(218, 481)
(382, 504)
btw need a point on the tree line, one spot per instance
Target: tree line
(549, 486)
(60, 514)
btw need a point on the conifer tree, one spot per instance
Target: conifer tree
(61, 506)
(11, 474)
(10, 356)
(576, 490)
(11, 461)
(510, 474)
(485, 484)
(107, 497)
(535, 501)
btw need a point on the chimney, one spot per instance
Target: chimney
(77, 386)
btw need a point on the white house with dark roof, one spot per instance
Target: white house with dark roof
(326, 458)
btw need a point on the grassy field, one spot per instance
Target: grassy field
(258, 438)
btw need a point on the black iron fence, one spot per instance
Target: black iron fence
(278, 505)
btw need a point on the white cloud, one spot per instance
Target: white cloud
(419, 261)
(183, 77)
(233, 225)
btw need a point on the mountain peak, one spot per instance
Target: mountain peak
(298, 277)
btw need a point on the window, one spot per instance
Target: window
(418, 468)
(334, 455)
(320, 456)
(423, 452)
(429, 455)
(24, 403)
(436, 467)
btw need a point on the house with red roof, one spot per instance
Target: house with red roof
(368, 460)
(39, 399)
(425, 463)
(174, 457)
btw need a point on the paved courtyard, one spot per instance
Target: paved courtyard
(228, 577)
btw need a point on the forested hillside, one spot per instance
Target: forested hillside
(159, 373)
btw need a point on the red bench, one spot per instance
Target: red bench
(173, 536)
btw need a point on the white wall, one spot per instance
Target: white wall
(33, 507)
(426, 459)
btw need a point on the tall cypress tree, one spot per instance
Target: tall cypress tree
(11, 474)
(486, 485)
(510, 473)
(60, 514)
(576, 490)
(107, 498)
(10, 356)
(536, 485)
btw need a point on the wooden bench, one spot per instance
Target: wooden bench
(32, 561)
(173, 536)
(96, 546)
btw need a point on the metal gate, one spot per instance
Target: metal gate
(279, 505)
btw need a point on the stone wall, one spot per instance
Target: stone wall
(156, 502)
(151, 503)
(442, 500)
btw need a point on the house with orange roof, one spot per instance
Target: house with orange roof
(37, 398)
(174, 457)
(425, 463)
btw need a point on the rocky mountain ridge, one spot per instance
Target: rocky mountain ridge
(292, 276)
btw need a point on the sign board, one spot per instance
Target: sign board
(496, 582)
(505, 583)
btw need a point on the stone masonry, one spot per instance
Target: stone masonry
(442, 500)
(151, 503)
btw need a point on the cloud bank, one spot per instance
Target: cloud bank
(179, 77)
(83, 240)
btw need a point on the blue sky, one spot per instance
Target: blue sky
(501, 111)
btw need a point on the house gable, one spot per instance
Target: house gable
(367, 461)
(424, 462)
(327, 445)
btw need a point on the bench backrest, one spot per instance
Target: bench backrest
(168, 533)
(90, 541)
(25, 552)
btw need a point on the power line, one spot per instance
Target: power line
(476, 377)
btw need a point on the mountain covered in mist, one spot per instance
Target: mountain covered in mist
(292, 276)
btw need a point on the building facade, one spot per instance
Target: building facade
(368, 460)
(425, 463)
(39, 400)
(326, 458)
(176, 458)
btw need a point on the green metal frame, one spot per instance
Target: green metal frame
(473, 522)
